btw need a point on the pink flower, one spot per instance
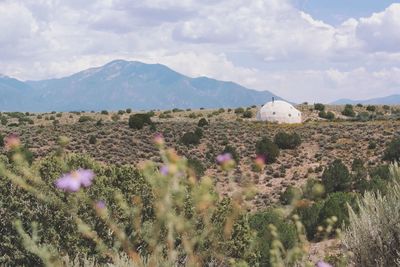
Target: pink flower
(224, 158)
(164, 170)
(322, 264)
(12, 141)
(73, 181)
(159, 139)
(100, 204)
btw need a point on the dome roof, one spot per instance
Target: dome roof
(279, 111)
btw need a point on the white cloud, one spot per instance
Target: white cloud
(287, 51)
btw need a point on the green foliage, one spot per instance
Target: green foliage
(319, 106)
(336, 177)
(104, 112)
(290, 194)
(392, 152)
(85, 119)
(190, 138)
(348, 111)
(239, 110)
(287, 141)
(138, 121)
(128, 110)
(336, 205)
(247, 114)
(196, 166)
(371, 145)
(286, 230)
(371, 108)
(1, 140)
(202, 122)
(92, 139)
(266, 148)
(372, 234)
(310, 217)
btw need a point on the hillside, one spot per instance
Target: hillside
(122, 84)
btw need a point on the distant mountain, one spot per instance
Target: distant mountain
(388, 100)
(122, 84)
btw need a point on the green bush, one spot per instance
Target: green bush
(348, 111)
(286, 231)
(392, 152)
(373, 231)
(82, 118)
(267, 149)
(336, 177)
(287, 141)
(319, 106)
(310, 217)
(196, 166)
(190, 138)
(336, 205)
(247, 114)
(371, 108)
(291, 193)
(202, 122)
(239, 110)
(92, 139)
(138, 121)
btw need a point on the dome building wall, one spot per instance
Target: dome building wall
(279, 111)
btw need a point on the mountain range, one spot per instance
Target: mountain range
(387, 100)
(125, 84)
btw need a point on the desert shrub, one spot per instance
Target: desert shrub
(336, 177)
(199, 132)
(202, 122)
(322, 114)
(196, 166)
(319, 106)
(190, 138)
(357, 164)
(373, 231)
(137, 121)
(268, 149)
(92, 139)
(85, 119)
(371, 144)
(392, 152)
(1, 140)
(115, 117)
(382, 171)
(336, 205)
(363, 116)
(128, 110)
(313, 189)
(348, 111)
(121, 112)
(4, 120)
(330, 115)
(310, 217)
(371, 108)
(239, 110)
(104, 112)
(286, 231)
(287, 141)
(247, 114)
(290, 194)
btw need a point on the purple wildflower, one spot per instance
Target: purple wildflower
(322, 264)
(73, 181)
(224, 158)
(100, 204)
(164, 170)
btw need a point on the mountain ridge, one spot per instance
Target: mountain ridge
(121, 84)
(386, 100)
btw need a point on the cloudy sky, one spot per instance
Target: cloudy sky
(315, 50)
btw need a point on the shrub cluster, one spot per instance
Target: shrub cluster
(267, 149)
(138, 121)
(286, 140)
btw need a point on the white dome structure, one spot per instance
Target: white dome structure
(279, 111)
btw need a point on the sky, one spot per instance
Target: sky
(301, 50)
